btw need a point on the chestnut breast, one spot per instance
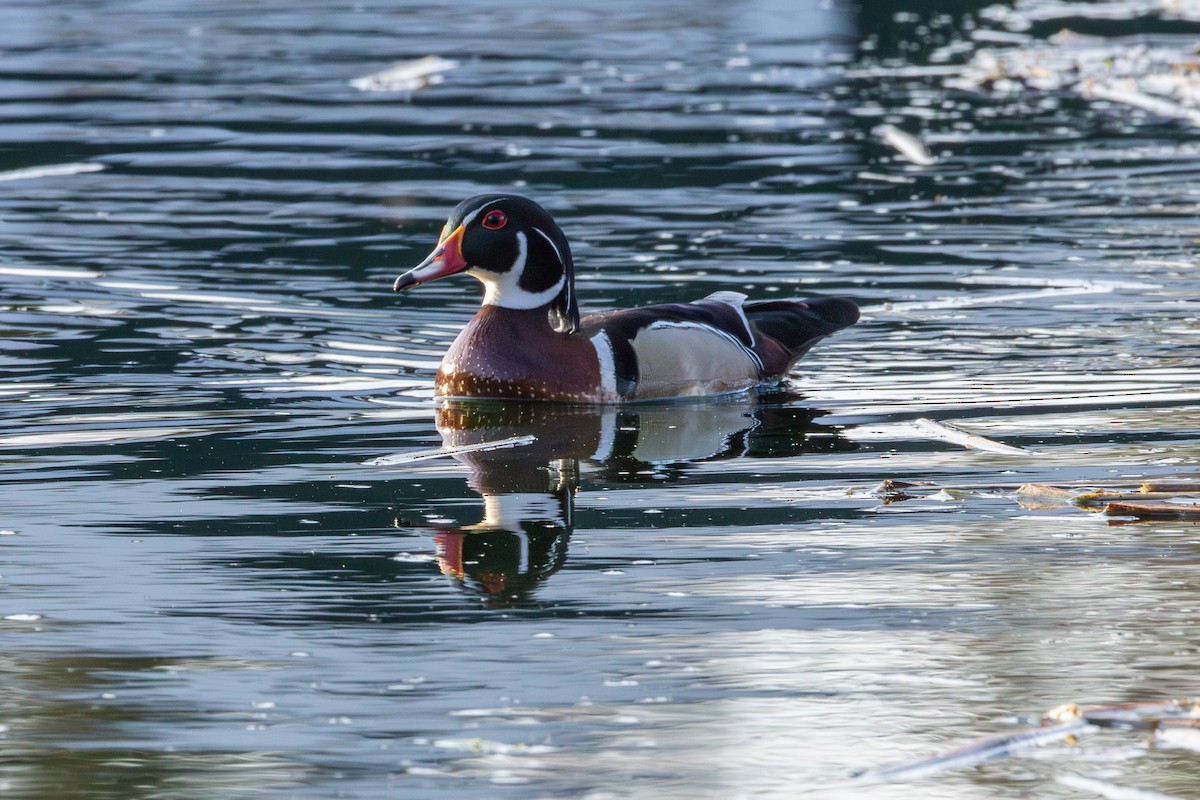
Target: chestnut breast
(514, 353)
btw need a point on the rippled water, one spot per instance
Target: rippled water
(208, 592)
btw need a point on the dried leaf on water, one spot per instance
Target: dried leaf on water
(1042, 497)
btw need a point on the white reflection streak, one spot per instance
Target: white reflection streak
(93, 437)
(1112, 791)
(50, 171)
(995, 299)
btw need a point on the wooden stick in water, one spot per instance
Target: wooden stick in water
(956, 435)
(1057, 724)
(1154, 511)
(980, 751)
(442, 452)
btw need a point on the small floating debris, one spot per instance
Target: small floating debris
(51, 171)
(1127, 92)
(1160, 80)
(1140, 716)
(442, 452)
(1155, 500)
(406, 76)
(1039, 497)
(907, 146)
(1149, 511)
(1102, 497)
(893, 491)
(956, 435)
(1142, 505)
(1063, 723)
(1179, 485)
(980, 751)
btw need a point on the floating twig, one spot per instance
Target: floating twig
(442, 452)
(1060, 723)
(1128, 93)
(956, 435)
(1102, 497)
(909, 147)
(1141, 716)
(1118, 502)
(980, 751)
(406, 76)
(1183, 485)
(1190, 513)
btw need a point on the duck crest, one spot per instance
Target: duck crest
(529, 341)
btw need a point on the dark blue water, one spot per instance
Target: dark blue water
(206, 591)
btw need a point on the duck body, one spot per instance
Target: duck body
(528, 341)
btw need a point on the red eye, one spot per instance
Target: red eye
(495, 220)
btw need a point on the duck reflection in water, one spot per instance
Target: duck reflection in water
(529, 491)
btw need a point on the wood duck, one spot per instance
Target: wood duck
(528, 340)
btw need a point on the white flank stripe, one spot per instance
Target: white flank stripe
(504, 289)
(608, 366)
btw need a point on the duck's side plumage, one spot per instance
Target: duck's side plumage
(715, 345)
(529, 341)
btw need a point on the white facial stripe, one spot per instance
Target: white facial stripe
(553, 246)
(469, 217)
(561, 260)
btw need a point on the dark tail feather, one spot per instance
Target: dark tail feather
(798, 325)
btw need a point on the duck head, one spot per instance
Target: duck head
(512, 246)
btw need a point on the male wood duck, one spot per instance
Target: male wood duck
(528, 341)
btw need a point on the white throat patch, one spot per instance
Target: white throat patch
(503, 289)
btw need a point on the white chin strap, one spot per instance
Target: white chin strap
(504, 290)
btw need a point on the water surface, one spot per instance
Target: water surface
(207, 592)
